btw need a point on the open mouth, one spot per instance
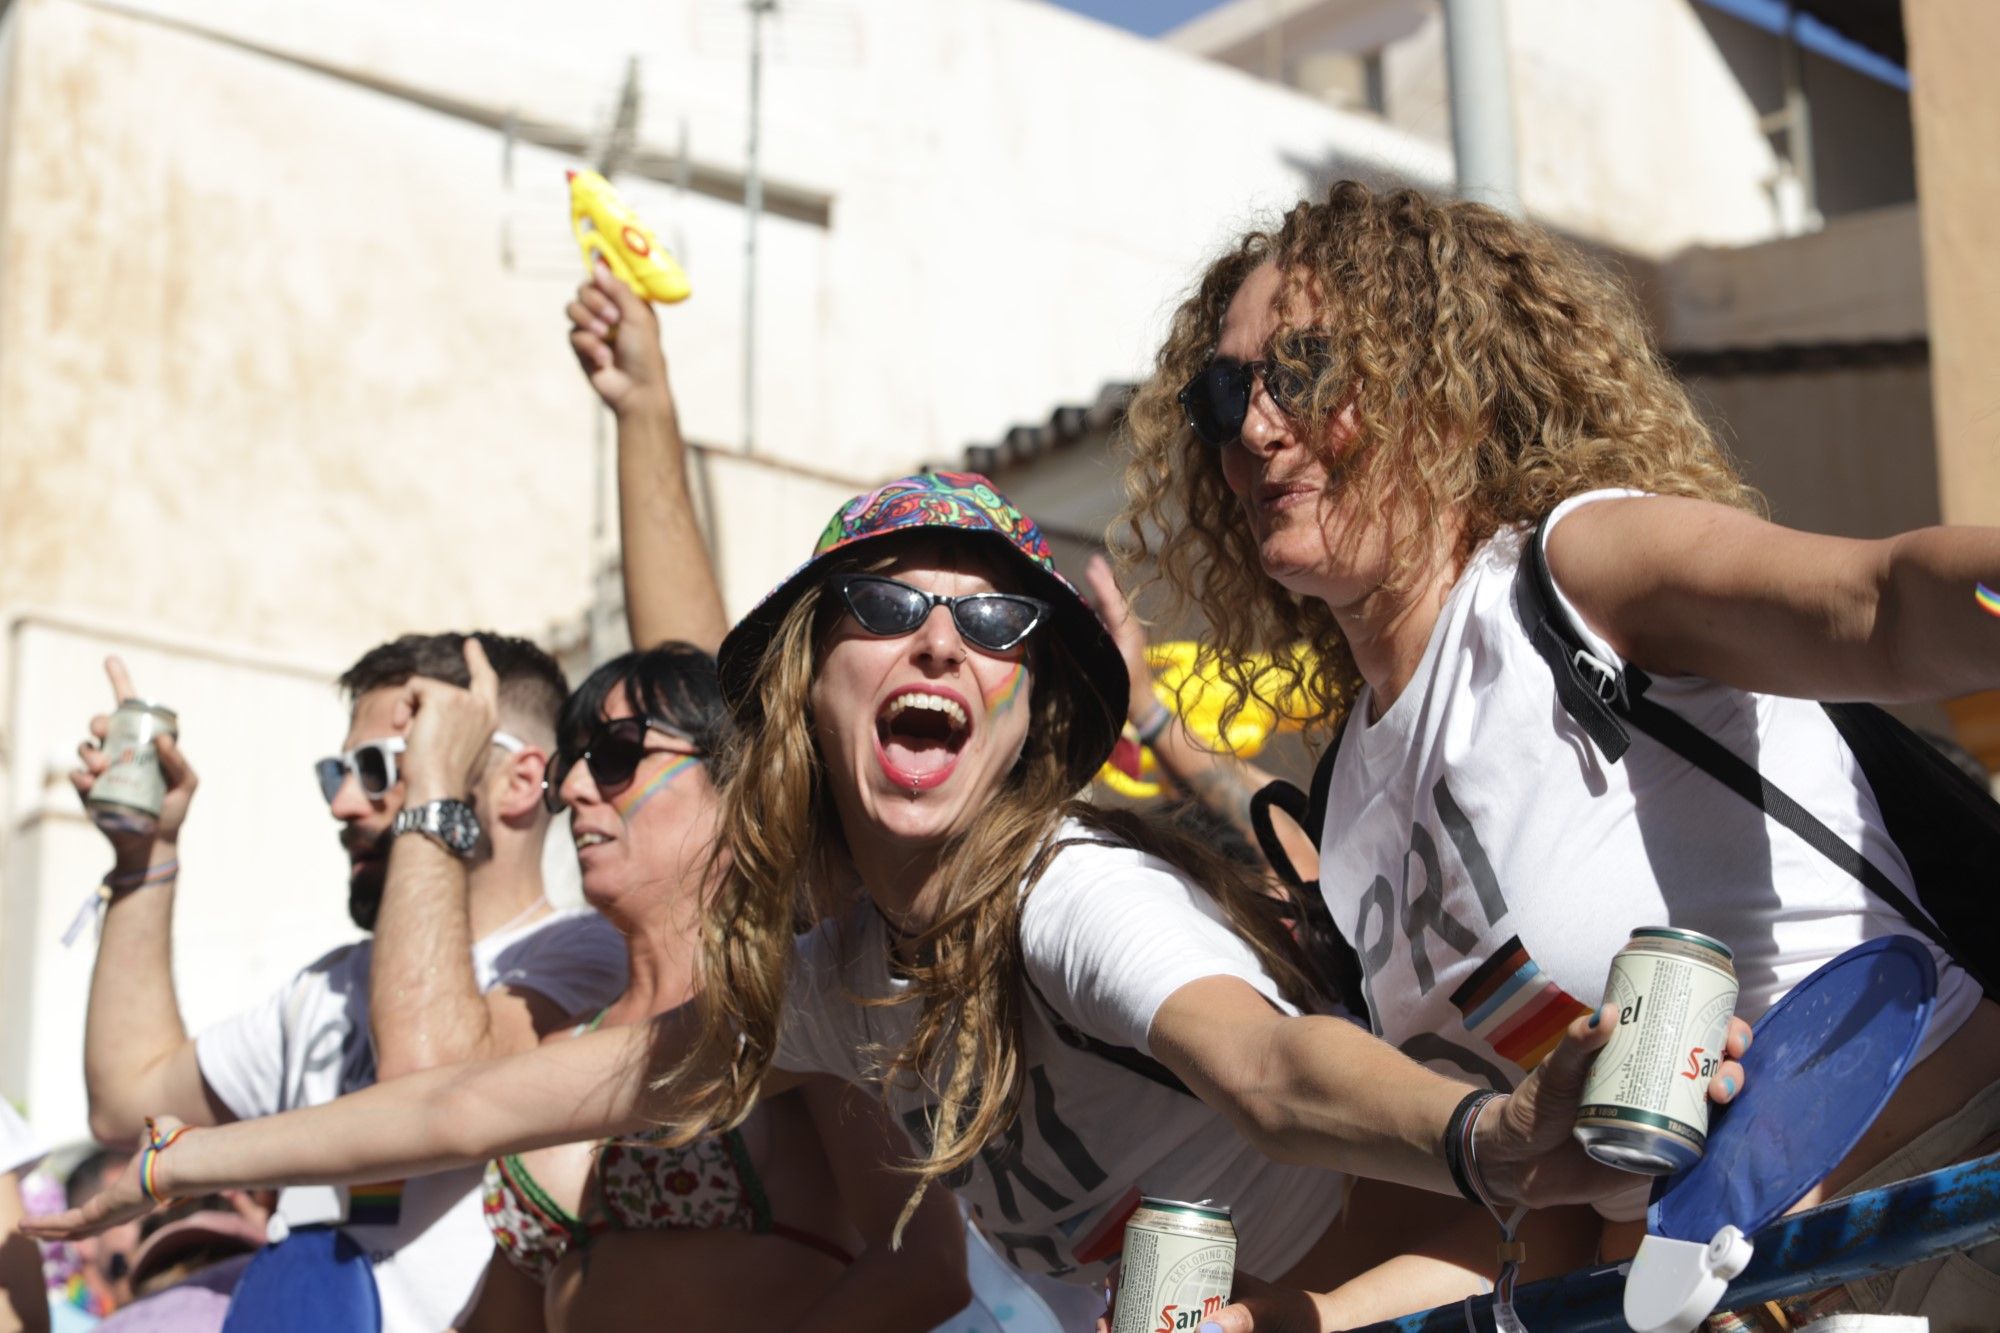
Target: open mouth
(587, 840)
(919, 734)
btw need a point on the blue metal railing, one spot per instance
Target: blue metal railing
(1852, 1238)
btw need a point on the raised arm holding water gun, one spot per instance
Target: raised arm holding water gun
(616, 338)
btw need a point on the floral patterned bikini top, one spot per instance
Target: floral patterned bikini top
(644, 1185)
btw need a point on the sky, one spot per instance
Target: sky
(1148, 18)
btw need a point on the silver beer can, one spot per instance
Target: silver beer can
(1645, 1104)
(127, 795)
(1178, 1266)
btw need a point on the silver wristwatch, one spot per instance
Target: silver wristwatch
(451, 824)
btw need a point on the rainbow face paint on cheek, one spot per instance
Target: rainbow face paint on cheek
(630, 806)
(1987, 598)
(1003, 698)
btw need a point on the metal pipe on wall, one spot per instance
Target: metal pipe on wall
(1482, 102)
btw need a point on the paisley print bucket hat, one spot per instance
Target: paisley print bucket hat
(956, 506)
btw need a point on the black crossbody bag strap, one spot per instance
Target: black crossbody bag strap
(1334, 967)
(1623, 695)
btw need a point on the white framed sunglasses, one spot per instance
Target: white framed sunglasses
(373, 764)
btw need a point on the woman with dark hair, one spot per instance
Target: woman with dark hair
(1067, 1008)
(749, 1227)
(1355, 426)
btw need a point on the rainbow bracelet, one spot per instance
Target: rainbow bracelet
(149, 1157)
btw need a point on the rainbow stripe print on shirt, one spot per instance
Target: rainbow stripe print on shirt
(1513, 1006)
(1107, 1239)
(376, 1205)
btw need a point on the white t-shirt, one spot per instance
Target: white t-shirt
(20, 1150)
(309, 1043)
(1486, 862)
(1107, 934)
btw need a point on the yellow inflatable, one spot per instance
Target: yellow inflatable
(605, 226)
(1202, 698)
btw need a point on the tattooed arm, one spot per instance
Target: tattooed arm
(1219, 780)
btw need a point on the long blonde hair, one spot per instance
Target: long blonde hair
(1493, 372)
(782, 840)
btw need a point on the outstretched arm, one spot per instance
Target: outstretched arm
(1321, 1091)
(593, 1087)
(1689, 587)
(670, 586)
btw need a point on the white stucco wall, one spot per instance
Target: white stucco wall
(268, 389)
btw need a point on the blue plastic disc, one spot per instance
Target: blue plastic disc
(316, 1280)
(1822, 1066)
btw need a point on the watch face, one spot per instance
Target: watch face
(457, 826)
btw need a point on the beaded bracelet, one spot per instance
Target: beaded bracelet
(149, 1157)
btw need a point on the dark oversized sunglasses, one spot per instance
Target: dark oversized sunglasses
(612, 751)
(1217, 399)
(373, 765)
(886, 607)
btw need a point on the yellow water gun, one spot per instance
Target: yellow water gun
(605, 226)
(1201, 698)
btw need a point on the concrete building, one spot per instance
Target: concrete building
(283, 369)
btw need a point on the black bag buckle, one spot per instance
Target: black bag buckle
(1606, 687)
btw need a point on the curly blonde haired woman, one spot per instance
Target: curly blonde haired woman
(1354, 427)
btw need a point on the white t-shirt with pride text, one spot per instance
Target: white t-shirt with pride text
(1486, 862)
(1107, 935)
(309, 1042)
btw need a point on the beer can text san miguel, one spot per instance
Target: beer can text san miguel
(1645, 1104)
(1178, 1266)
(126, 796)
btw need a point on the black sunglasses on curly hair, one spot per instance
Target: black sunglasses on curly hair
(1217, 399)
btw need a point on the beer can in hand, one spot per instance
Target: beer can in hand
(127, 795)
(1178, 1266)
(1645, 1104)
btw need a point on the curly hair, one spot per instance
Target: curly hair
(779, 849)
(1493, 371)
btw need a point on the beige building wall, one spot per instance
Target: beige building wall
(1957, 112)
(283, 366)
(1957, 107)
(1807, 354)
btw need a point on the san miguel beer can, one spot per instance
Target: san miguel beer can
(1178, 1265)
(126, 796)
(1645, 1104)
